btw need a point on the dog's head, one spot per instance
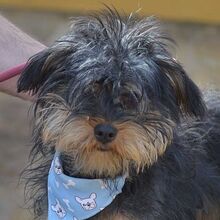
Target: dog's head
(88, 203)
(109, 94)
(58, 209)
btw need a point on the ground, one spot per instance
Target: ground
(198, 50)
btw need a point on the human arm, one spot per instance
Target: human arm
(16, 48)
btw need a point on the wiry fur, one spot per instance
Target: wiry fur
(115, 70)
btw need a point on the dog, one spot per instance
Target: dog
(114, 103)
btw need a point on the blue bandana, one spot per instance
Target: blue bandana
(72, 198)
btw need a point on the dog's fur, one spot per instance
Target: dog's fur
(115, 70)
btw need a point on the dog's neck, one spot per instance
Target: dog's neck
(70, 169)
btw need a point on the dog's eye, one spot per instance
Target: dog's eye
(96, 87)
(128, 101)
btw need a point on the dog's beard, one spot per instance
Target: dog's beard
(134, 147)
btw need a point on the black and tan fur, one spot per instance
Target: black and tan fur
(119, 71)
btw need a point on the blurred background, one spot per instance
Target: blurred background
(194, 24)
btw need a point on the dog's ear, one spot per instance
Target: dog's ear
(34, 73)
(93, 196)
(187, 94)
(78, 200)
(54, 208)
(40, 67)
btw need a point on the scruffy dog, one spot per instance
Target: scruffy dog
(114, 103)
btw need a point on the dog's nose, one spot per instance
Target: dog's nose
(105, 133)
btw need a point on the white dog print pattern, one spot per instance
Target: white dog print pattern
(88, 203)
(57, 166)
(58, 209)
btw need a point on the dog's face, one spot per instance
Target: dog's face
(61, 213)
(110, 94)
